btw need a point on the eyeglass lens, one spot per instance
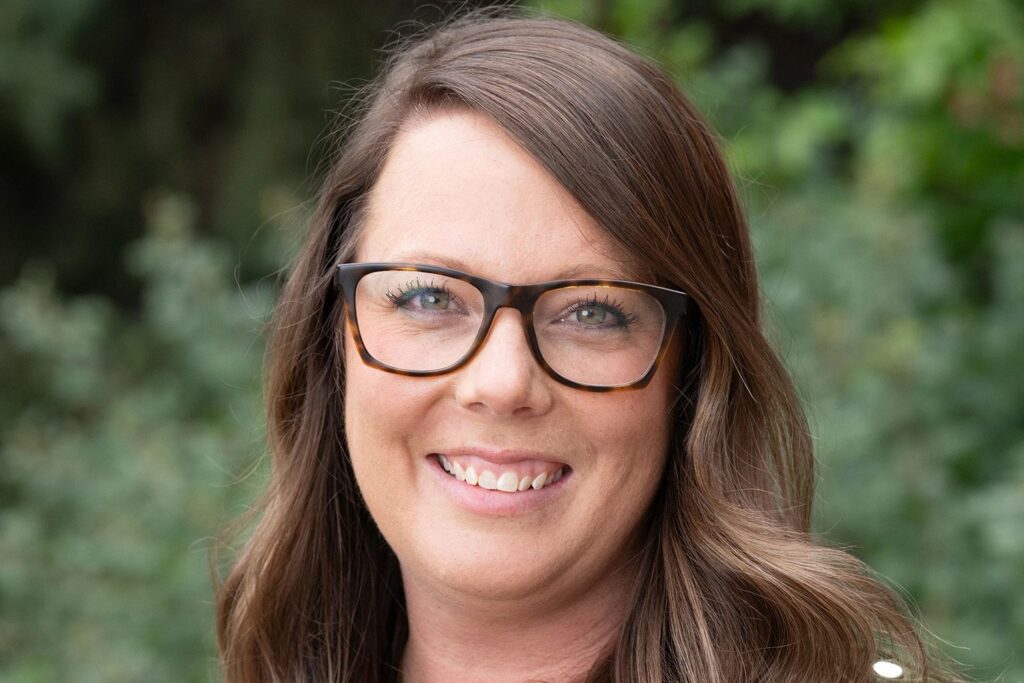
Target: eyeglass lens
(596, 335)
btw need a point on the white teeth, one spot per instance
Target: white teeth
(460, 473)
(507, 482)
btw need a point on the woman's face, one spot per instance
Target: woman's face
(456, 191)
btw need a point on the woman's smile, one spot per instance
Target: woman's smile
(515, 484)
(503, 470)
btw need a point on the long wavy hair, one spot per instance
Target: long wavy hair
(732, 587)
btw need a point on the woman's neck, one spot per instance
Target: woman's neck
(540, 638)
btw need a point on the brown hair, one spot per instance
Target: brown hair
(733, 587)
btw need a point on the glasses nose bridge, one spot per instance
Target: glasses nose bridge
(498, 295)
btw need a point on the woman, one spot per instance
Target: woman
(523, 420)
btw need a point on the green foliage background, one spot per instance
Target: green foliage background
(155, 179)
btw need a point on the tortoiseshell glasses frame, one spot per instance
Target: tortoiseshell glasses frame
(675, 304)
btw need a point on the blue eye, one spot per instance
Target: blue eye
(428, 297)
(593, 314)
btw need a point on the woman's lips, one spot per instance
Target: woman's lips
(485, 497)
(508, 477)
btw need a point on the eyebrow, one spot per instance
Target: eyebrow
(599, 272)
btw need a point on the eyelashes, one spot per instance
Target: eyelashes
(412, 288)
(623, 318)
(405, 293)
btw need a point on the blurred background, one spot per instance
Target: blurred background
(157, 162)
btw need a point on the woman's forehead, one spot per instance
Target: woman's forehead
(457, 187)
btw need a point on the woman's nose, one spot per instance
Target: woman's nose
(504, 377)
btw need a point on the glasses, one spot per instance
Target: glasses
(596, 335)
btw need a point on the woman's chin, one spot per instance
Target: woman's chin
(487, 573)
